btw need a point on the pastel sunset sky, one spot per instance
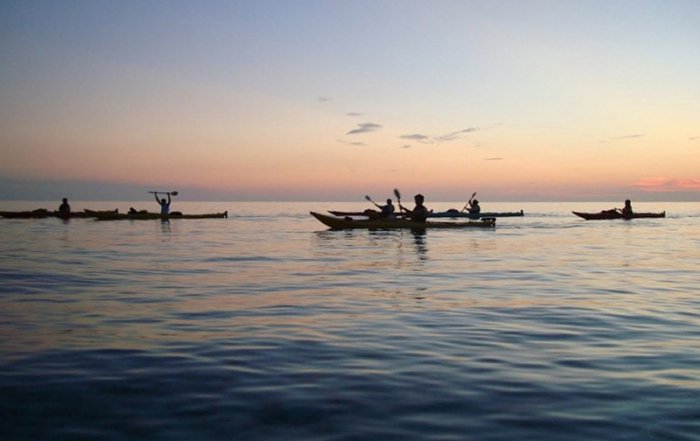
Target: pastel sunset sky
(334, 99)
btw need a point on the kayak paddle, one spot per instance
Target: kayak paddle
(370, 199)
(398, 197)
(468, 202)
(172, 193)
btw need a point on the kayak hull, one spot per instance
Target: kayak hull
(373, 214)
(612, 214)
(466, 214)
(341, 223)
(369, 213)
(153, 216)
(42, 213)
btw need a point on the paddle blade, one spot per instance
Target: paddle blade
(397, 193)
(173, 193)
(368, 198)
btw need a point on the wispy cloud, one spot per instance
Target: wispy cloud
(636, 135)
(406, 146)
(364, 128)
(693, 138)
(619, 138)
(664, 184)
(415, 137)
(324, 99)
(355, 114)
(493, 159)
(429, 139)
(357, 143)
(454, 135)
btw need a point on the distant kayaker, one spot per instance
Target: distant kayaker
(419, 212)
(164, 206)
(627, 209)
(474, 207)
(64, 209)
(388, 209)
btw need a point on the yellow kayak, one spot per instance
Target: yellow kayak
(340, 223)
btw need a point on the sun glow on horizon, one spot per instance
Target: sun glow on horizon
(290, 101)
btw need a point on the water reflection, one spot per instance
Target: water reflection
(374, 238)
(419, 240)
(379, 248)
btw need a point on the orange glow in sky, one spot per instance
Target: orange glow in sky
(253, 100)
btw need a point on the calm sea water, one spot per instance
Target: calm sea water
(266, 326)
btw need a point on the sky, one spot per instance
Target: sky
(520, 100)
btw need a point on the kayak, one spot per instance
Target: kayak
(456, 213)
(338, 223)
(613, 214)
(145, 215)
(449, 214)
(369, 213)
(42, 213)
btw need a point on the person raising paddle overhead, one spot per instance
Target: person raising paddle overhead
(164, 206)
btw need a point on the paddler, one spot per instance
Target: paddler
(474, 207)
(164, 206)
(419, 212)
(64, 209)
(627, 209)
(387, 210)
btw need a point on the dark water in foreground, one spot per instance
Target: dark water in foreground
(265, 326)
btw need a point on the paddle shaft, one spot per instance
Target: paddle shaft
(370, 199)
(397, 193)
(469, 201)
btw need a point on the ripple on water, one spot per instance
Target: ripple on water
(546, 327)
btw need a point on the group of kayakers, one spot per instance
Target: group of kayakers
(64, 208)
(419, 213)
